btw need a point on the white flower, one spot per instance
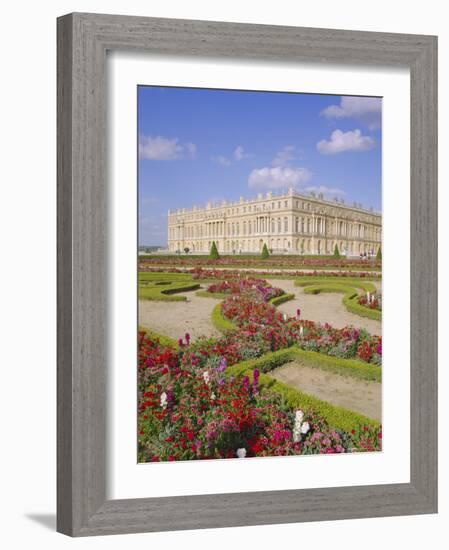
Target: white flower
(301, 332)
(285, 316)
(163, 400)
(206, 376)
(368, 296)
(299, 428)
(213, 396)
(241, 453)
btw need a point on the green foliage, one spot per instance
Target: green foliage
(216, 295)
(348, 286)
(345, 367)
(163, 340)
(278, 300)
(379, 253)
(214, 255)
(265, 253)
(336, 251)
(351, 303)
(337, 417)
(164, 286)
(219, 322)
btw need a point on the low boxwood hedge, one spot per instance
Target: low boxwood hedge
(278, 300)
(219, 321)
(337, 417)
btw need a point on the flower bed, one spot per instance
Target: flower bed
(189, 409)
(238, 285)
(371, 301)
(285, 261)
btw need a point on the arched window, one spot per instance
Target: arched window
(279, 225)
(285, 225)
(297, 225)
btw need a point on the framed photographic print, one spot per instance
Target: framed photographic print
(246, 274)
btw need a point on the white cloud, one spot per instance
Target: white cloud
(284, 156)
(341, 142)
(161, 148)
(239, 153)
(278, 177)
(222, 160)
(367, 110)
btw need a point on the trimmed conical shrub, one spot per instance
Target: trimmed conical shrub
(265, 253)
(336, 252)
(214, 255)
(379, 254)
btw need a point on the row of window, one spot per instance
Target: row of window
(302, 225)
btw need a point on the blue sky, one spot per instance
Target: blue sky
(197, 145)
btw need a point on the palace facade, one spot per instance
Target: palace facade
(291, 223)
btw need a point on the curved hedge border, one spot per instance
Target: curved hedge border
(337, 417)
(220, 322)
(278, 300)
(207, 294)
(353, 306)
(163, 340)
(315, 285)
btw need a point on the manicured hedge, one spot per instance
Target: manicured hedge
(278, 300)
(347, 281)
(219, 322)
(337, 417)
(352, 305)
(166, 293)
(163, 340)
(216, 295)
(348, 286)
(345, 367)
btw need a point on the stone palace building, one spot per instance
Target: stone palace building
(289, 224)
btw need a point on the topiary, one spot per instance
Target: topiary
(214, 255)
(265, 253)
(379, 253)
(336, 252)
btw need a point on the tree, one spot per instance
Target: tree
(186, 249)
(265, 253)
(336, 251)
(379, 254)
(214, 255)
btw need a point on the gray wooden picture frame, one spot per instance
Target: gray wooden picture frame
(83, 41)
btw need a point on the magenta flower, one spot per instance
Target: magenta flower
(187, 337)
(298, 313)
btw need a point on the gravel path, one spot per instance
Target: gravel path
(174, 319)
(344, 391)
(323, 308)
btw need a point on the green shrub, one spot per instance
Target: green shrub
(265, 253)
(336, 251)
(379, 253)
(219, 322)
(214, 255)
(345, 367)
(216, 295)
(278, 300)
(351, 303)
(164, 340)
(337, 417)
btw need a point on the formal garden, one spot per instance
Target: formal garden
(262, 356)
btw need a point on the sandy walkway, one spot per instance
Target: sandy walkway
(176, 318)
(356, 395)
(323, 308)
